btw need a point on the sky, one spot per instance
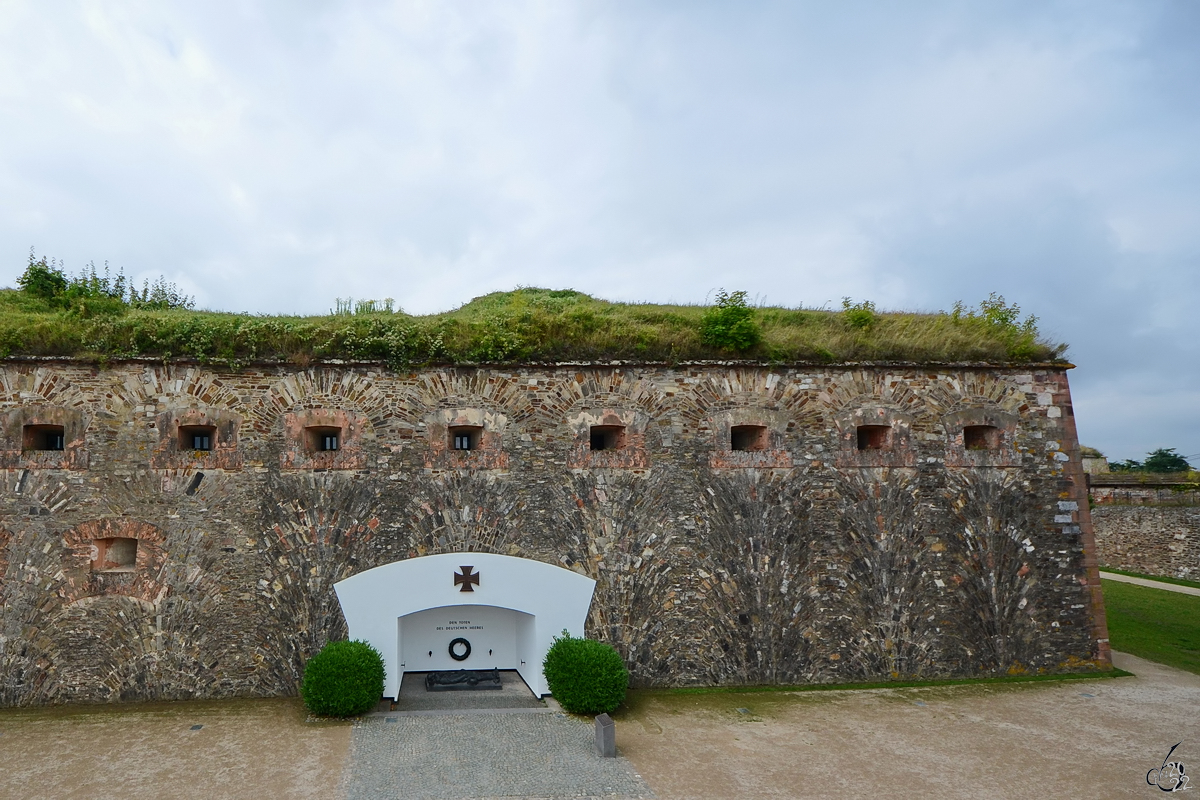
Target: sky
(273, 156)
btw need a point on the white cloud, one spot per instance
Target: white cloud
(274, 156)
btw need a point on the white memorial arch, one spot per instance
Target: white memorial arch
(464, 611)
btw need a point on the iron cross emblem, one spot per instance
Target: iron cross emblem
(466, 579)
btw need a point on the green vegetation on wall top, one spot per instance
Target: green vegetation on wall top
(99, 318)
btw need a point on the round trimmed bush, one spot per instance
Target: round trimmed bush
(585, 676)
(344, 679)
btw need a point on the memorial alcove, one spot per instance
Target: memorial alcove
(507, 609)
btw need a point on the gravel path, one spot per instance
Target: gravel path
(482, 756)
(1169, 587)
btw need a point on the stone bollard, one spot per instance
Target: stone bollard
(606, 736)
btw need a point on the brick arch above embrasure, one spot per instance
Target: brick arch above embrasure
(741, 386)
(868, 389)
(462, 388)
(326, 390)
(23, 385)
(180, 386)
(750, 396)
(145, 582)
(587, 388)
(953, 393)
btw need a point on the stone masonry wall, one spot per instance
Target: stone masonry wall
(1150, 526)
(805, 560)
(1152, 540)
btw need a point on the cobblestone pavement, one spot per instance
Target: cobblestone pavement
(482, 755)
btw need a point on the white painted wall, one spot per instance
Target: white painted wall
(426, 635)
(378, 603)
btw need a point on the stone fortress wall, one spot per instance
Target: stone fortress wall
(1148, 523)
(746, 525)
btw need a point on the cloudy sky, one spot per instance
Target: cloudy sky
(272, 156)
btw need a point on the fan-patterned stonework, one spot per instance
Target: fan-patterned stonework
(858, 538)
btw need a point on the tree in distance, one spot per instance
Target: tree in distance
(1164, 459)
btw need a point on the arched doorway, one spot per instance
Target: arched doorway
(412, 611)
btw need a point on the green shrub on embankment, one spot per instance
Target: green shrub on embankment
(344, 679)
(585, 676)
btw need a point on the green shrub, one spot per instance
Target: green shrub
(1004, 322)
(43, 279)
(90, 294)
(585, 676)
(344, 679)
(730, 323)
(858, 315)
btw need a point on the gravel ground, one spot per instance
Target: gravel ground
(1091, 738)
(482, 756)
(207, 750)
(1071, 739)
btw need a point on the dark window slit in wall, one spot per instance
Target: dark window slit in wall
(981, 437)
(606, 437)
(465, 437)
(324, 439)
(748, 437)
(44, 437)
(197, 437)
(874, 437)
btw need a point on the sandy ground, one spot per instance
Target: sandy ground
(247, 749)
(1095, 738)
(1032, 740)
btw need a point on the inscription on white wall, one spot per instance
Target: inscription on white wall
(460, 625)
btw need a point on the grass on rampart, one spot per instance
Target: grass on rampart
(522, 326)
(1155, 624)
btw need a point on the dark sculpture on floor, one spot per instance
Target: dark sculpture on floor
(466, 679)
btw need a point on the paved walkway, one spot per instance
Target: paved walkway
(480, 744)
(507, 753)
(1170, 587)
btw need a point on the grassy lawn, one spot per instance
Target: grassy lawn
(1154, 624)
